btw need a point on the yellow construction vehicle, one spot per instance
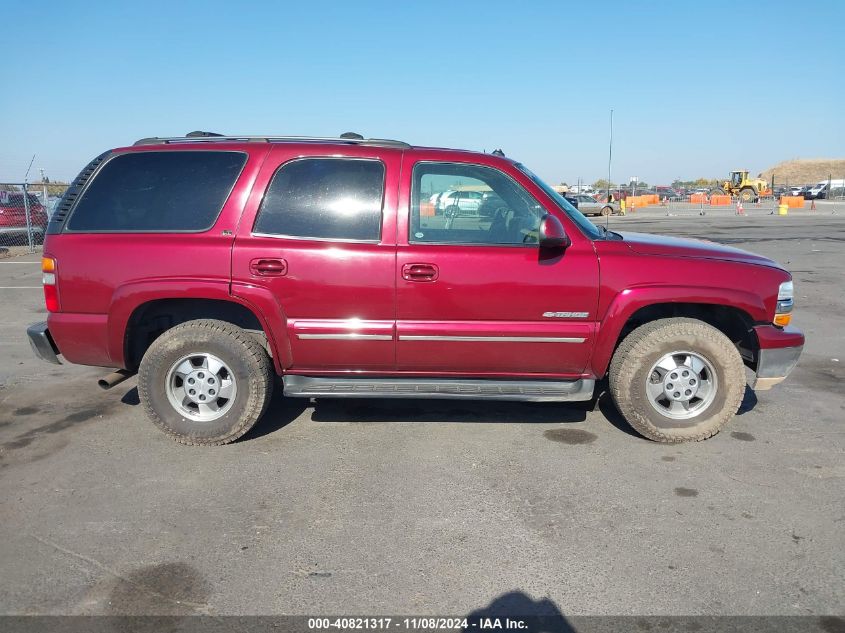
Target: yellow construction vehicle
(745, 188)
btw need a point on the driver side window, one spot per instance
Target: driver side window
(456, 203)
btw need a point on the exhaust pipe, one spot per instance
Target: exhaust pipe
(115, 378)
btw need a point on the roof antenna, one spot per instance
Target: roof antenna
(201, 134)
(354, 136)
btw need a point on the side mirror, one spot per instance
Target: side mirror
(552, 233)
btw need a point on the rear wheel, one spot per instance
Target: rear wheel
(205, 382)
(607, 211)
(677, 380)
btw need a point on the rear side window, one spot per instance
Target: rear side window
(324, 198)
(158, 192)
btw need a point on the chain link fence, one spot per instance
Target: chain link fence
(25, 210)
(710, 204)
(726, 205)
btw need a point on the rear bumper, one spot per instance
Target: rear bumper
(779, 352)
(43, 345)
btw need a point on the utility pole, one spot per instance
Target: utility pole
(44, 189)
(610, 155)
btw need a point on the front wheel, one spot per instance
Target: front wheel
(748, 195)
(607, 211)
(677, 380)
(205, 382)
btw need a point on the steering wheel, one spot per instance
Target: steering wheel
(499, 225)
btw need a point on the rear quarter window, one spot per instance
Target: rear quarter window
(324, 198)
(176, 191)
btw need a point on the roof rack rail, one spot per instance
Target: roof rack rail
(377, 142)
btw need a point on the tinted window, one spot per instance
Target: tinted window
(487, 207)
(158, 192)
(324, 198)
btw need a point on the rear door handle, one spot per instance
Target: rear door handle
(268, 267)
(420, 272)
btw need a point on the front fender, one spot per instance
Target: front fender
(627, 302)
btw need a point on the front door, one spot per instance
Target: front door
(319, 233)
(475, 293)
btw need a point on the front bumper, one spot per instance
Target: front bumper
(42, 343)
(779, 352)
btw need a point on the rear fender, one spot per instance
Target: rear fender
(630, 300)
(128, 297)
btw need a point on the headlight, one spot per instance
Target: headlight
(783, 313)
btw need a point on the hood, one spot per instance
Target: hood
(647, 244)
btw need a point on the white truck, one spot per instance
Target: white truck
(827, 189)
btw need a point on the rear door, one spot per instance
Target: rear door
(477, 296)
(319, 234)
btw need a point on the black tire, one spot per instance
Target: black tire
(748, 195)
(250, 366)
(635, 357)
(607, 211)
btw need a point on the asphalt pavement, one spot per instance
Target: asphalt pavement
(433, 507)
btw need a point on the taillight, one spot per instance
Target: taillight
(48, 279)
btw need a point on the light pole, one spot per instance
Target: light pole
(610, 156)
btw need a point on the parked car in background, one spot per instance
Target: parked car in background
(457, 201)
(588, 205)
(668, 192)
(643, 192)
(13, 226)
(821, 189)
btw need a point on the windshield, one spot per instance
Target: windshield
(587, 227)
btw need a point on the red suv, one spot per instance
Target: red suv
(213, 265)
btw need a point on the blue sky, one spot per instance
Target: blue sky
(691, 97)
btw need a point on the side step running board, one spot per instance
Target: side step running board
(524, 390)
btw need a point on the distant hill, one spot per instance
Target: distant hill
(803, 171)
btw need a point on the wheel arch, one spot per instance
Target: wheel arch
(733, 315)
(142, 312)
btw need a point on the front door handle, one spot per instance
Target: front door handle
(268, 267)
(420, 272)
